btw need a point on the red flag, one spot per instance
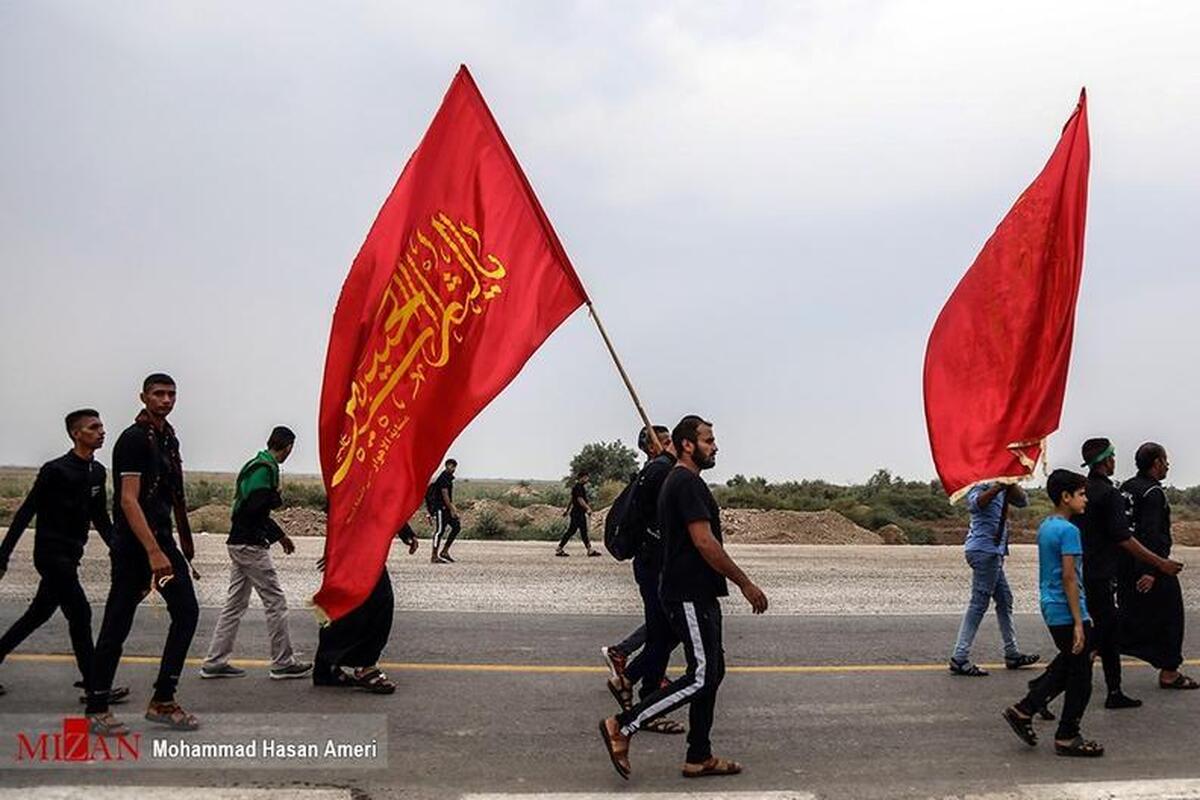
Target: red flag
(996, 363)
(459, 281)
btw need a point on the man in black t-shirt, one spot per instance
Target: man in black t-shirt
(148, 492)
(695, 569)
(439, 502)
(577, 513)
(1107, 528)
(649, 667)
(67, 496)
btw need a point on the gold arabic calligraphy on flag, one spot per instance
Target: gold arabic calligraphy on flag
(441, 279)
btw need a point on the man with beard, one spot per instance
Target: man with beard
(695, 569)
(1151, 601)
(148, 489)
(67, 495)
(348, 649)
(650, 666)
(1107, 530)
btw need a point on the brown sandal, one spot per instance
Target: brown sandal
(618, 756)
(106, 725)
(622, 692)
(714, 766)
(663, 725)
(173, 716)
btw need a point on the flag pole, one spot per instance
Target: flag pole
(651, 439)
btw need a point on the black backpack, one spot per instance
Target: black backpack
(624, 529)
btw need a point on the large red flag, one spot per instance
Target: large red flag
(996, 364)
(459, 281)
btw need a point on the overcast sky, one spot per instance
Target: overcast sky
(801, 185)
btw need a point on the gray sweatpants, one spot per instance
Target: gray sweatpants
(252, 568)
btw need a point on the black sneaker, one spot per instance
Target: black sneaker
(1119, 699)
(561, 553)
(222, 671)
(1021, 660)
(446, 557)
(295, 670)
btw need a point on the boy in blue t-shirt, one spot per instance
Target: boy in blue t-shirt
(1064, 608)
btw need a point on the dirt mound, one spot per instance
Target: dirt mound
(532, 516)
(749, 526)
(1186, 534)
(892, 534)
(299, 521)
(212, 518)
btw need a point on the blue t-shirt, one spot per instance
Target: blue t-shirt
(1057, 538)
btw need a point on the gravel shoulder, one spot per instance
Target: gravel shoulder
(525, 577)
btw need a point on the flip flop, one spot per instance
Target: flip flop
(620, 762)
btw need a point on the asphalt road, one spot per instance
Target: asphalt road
(840, 690)
(841, 706)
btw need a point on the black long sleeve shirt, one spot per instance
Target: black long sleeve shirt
(67, 498)
(1151, 521)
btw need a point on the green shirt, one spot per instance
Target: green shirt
(260, 472)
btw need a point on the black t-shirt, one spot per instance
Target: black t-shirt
(578, 492)
(650, 483)
(433, 495)
(66, 497)
(1105, 523)
(144, 451)
(686, 576)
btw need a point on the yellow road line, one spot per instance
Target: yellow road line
(562, 669)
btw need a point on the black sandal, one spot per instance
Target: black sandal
(372, 680)
(1079, 748)
(1022, 726)
(967, 669)
(1181, 682)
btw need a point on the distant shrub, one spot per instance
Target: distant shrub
(489, 526)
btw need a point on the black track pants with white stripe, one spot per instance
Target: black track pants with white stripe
(445, 530)
(698, 626)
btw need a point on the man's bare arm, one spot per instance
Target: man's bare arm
(131, 487)
(716, 557)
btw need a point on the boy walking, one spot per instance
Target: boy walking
(1064, 608)
(250, 539)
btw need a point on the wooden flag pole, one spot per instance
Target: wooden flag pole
(651, 439)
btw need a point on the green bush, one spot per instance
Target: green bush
(489, 526)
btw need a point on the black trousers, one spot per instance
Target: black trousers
(650, 665)
(58, 588)
(698, 626)
(578, 523)
(357, 639)
(1069, 673)
(1102, 606)
(131, 577)
(445, 530)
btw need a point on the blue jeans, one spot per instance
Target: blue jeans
(987, 583)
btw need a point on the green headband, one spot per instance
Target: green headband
(1103, 455)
